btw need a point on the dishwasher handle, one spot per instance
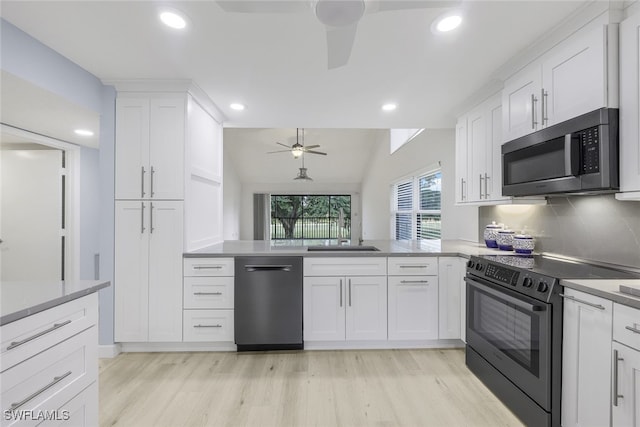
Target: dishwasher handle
(267, 267)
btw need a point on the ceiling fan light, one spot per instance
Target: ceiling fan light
(173, 19)
(446, 23)
(297, 152)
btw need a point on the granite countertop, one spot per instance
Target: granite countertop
(22, 299)
(462, 248)
(609, 289)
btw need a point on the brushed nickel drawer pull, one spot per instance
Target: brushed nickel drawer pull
(207, 293)
(616, 395)
(406, 282)
(413, 266)
(55, 381)
(632, 329)
(207, 326)
(207, 267)
(572, 298)
(39, 334)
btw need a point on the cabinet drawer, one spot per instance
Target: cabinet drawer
(362, 266)
(31, 335)
(413, 266)
(626, 325)
(208, 325)
(81, 411)
(208, 267)
(51, 378)
(208, 292)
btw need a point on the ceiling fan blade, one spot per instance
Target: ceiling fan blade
(386, 5)
(339, 44)
(279, 151)
(263, 6)
(284, 145)
(308, 147)
(315, 152)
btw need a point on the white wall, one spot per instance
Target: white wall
(249, 189)
(232, 197)
(428, 148)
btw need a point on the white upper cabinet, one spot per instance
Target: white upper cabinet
(150, 134)
(630, 108)
(576, 76)
(520, 99)
(462, 167)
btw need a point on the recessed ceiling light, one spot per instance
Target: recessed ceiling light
(389, 107)
(83, 132)
(447, 22)
(173, 19)
(237, 106)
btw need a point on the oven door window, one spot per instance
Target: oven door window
(512, 330)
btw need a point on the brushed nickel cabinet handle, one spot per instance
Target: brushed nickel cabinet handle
(207, 326)
(207, 267)
(142, 172)
(207, 293)
(151, 187)
(486, 186)
(572, 298)
(615, 393)
(534, 100)
(142, 218)
(151, 219)
(407, 282)
(340, 292)
(544, 101)
(413, 266)
(39, 334)
(349, 292)
(632, 329)
(481, 179)
(55, 381)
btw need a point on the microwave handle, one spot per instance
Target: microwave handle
(571, 155)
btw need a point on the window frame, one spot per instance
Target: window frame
(415, 210)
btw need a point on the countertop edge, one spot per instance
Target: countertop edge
(617, 297)
(21, 314)
(328, 254)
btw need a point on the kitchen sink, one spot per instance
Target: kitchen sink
(338, 248)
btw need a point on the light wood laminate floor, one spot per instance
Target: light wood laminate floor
(309, 388)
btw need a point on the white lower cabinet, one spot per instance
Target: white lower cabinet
(413, 307)
(626, 366)
(452, 296)
(51, 374)
(345, 308)
(586, 360)
(208, 300)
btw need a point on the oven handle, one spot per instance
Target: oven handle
(509, 299)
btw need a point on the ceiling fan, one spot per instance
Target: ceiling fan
(298, 149)
(340, 17)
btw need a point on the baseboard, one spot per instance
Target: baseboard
(381, 345)
(154, 347)
(108, 351)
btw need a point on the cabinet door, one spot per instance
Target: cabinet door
(462, 156)
(165, 271)
(167, 136)
(626, 411)
(477, 149)
(131, 279)
(413, 307)
(366, 302)
(586, 360)
(132, 148)
(324, 308)
(574, 77)
(493, 179)
(520, 103)
(451, 281)
(630, 104)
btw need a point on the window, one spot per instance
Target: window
(416, 207)
(310, 217)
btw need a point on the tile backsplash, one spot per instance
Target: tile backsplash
(598, 228)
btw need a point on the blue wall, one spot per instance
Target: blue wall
(30, 60)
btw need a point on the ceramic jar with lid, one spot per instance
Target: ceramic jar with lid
(491, 234)
(505, 239)
(523, 243)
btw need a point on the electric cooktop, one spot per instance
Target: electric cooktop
(559, 268)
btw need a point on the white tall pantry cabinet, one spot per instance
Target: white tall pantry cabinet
(168, 156)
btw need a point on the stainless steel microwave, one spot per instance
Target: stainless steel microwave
(579, 155)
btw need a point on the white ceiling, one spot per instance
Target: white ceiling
(348, 152)
(276, 63)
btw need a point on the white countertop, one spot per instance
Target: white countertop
(22, 299)
(609, 289)
(387, 248)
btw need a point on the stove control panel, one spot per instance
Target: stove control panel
(502, 274)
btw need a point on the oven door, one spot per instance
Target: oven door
(512, 332)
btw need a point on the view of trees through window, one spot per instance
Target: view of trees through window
(310, 217)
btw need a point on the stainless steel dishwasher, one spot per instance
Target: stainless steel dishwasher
(268, 303)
